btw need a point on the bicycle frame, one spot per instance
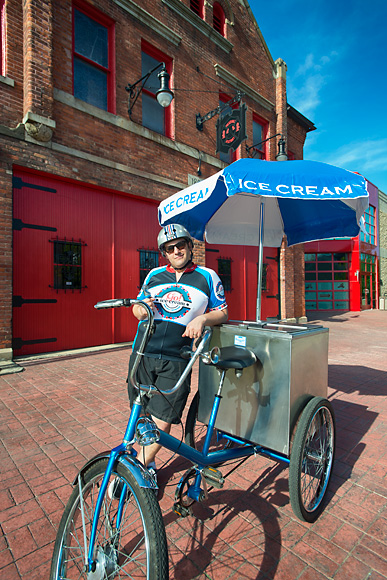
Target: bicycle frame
(200, 459)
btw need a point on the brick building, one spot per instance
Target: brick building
(80, 178)
(382, 222)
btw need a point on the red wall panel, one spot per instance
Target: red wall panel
(111, 226)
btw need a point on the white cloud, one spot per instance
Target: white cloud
(312, 76)
(306, 97)
(362, 156)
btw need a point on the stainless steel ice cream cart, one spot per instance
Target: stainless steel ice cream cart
(264, 403)
(279, 403)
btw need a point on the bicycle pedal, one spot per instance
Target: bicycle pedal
(181, 510)
(213, 477)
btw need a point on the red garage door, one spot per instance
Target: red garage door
(237, 267)
(74, 245)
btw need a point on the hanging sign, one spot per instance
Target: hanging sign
(231, 130)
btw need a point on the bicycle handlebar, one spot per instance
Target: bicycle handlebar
(117, 303)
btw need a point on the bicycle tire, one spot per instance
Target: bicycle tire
(311, 459)
(195, 431)
(138, 549)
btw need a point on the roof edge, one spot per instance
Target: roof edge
(300, 118)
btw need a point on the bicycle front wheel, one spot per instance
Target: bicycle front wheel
(130, 540)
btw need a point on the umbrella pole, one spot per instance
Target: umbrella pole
(260, 261)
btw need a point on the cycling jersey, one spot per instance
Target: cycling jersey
(198, 290)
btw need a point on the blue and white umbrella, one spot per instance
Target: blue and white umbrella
(251, 201)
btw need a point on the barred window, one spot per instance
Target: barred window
(149, 259)
(224, 273)
(67, 265)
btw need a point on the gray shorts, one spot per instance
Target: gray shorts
(164, 375)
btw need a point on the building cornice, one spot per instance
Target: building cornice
(125, 124)
(186, 13)
(7, 81)
(148, 20)
(232, 80)
(300, 119)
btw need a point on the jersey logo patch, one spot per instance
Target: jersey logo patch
(174, 303)
(219, 291)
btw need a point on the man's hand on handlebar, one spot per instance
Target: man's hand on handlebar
(139, 312)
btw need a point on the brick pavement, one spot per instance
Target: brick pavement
(61, 411)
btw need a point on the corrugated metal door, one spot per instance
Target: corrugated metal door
(74, 245)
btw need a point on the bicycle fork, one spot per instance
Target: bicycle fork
(90, 560)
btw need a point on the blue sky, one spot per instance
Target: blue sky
(336, 54)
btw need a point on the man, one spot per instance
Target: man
(184, 298)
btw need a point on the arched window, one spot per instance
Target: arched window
(197, 6)
(218, 18)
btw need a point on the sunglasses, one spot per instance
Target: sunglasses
(171, 248)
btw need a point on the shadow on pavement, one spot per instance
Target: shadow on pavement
(357, 379)
(230, 528)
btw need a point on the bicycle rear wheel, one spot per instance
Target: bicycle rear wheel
(311, 459)
(134, 548)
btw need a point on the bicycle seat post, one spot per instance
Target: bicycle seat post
(214, 413)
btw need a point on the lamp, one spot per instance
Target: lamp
(164, 95)
(282, 155)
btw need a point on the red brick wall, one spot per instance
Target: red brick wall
(39, 60)
(5, 257)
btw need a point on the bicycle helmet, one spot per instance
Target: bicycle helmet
(172, 232)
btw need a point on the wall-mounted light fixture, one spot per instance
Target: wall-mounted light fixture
(282, 155)
(164, 95)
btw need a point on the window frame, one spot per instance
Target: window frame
(64, 266)
(3, 37)
(110, 71)
(153, 52)
(324, 274)
(143, 272)
(370, 226)
(226, 279)
(264, 151)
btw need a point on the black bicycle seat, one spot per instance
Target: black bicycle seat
(233, 357)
